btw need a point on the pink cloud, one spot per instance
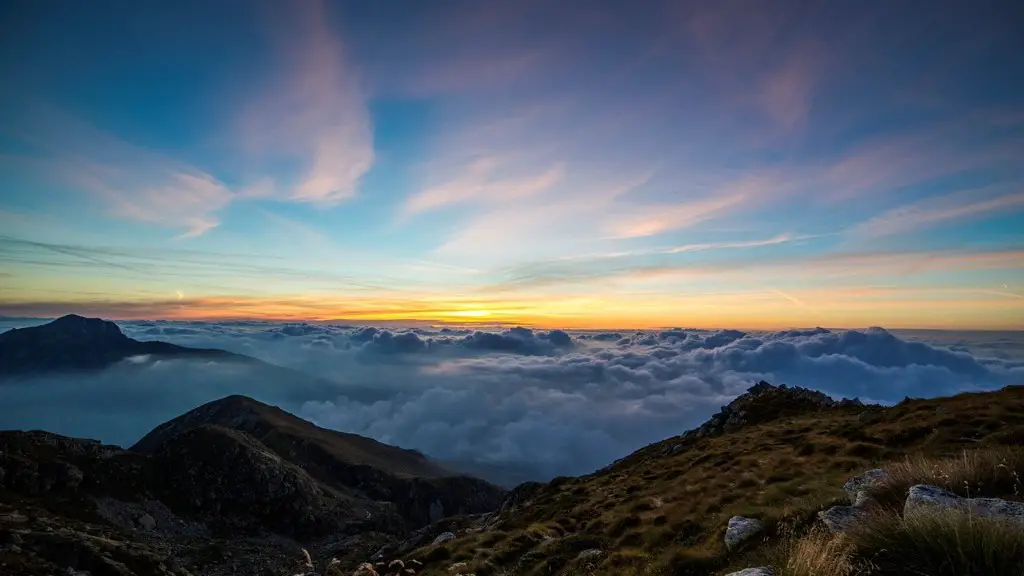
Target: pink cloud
(313, 112)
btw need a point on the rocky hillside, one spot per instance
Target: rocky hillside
(236, 487)
(777, 456)
(236, 475)
(352, 466)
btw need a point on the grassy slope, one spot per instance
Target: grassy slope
(666, 514)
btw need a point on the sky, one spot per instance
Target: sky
(571, 164)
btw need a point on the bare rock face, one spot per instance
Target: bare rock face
(520, 496)
(924, 499)
(444, 537)
(741, 529)
(840, 518)
(42, 464)
(227, 476)
(762, 571)
(857, 487)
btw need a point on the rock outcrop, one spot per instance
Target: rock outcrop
(924, 499)
(764, 402)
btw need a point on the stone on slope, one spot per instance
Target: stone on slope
(924, 499)
(442, 538)
(740, 529)
(147, 522)
(840, 518)
(857, 486)
(762, 571)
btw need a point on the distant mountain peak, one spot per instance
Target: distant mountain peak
(73, 343)
(71, 326)
(74, 324)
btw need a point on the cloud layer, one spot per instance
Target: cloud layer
(523, 403)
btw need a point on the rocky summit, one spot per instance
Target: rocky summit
(239, 487)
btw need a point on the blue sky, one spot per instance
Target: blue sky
(582, 164)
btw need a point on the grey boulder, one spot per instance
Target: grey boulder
(740, 529)
(857, 486)
(929, 499)
(840, 518)
(762, 571)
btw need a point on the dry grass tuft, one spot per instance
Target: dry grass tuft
(818, 554)
(994, 473)
(947, 543)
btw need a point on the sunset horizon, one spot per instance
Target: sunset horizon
(680, 164)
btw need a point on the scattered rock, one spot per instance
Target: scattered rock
(147, 522)
(762, 571)
(740, 529)
(589, 554)
(840, 518)
(924, 499)
(863, 483)
(443, 537)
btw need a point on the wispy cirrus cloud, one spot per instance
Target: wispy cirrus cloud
(312, 113)
(132, 182)
(938, 211)
(307, 132)
(830, 267)
(481, 183)
(657, 219)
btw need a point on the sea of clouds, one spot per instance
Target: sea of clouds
(513, 404)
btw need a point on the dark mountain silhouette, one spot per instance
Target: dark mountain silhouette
(74, 343)
(349, 465)
(234, 468)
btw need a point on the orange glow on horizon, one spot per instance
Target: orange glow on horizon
(763, 310)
